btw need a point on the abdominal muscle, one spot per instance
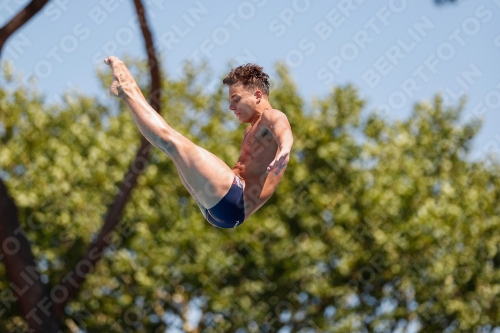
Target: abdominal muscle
(258, 185)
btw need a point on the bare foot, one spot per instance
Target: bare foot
(123, 83)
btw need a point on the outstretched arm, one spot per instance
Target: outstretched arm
(149, 122)
(277, 123)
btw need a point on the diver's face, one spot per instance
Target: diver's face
(242, 102)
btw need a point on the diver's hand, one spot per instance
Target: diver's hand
(280, 162)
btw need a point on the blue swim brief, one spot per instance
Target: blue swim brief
(229, 212)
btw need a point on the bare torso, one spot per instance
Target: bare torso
(258, 150)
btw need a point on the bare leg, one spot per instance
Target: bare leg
(191, 191)
(206, 175)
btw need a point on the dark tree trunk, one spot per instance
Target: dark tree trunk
(15, 251)
(77, 277)
(42, 309)
(33, 299)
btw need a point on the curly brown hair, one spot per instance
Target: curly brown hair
(251, 76)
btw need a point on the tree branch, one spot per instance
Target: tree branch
(77, 277)
(20, 19)
(154, 96)
(22, 269)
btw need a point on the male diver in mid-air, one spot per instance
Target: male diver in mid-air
(226, 196)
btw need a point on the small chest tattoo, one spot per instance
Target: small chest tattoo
(258, 136)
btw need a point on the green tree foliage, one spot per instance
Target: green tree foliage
(376, 226)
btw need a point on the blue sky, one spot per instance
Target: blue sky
(396, 52)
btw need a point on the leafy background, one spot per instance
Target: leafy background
(376, 227)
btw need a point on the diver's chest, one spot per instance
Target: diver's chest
(259, 140)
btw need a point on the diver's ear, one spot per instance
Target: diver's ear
(258, 95)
